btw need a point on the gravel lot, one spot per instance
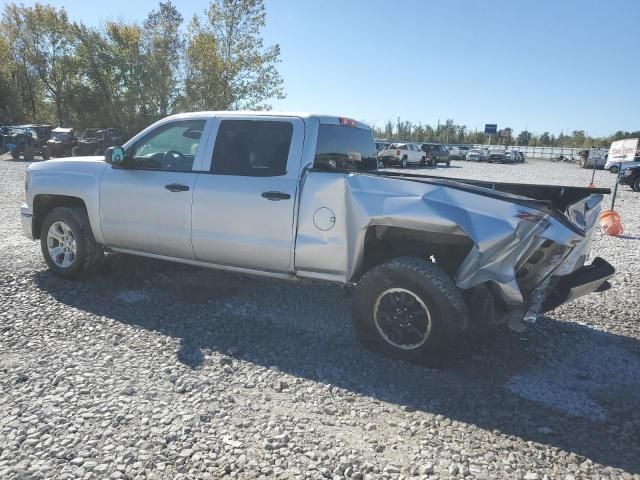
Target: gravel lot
(156, 370)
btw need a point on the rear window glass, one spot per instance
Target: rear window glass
(345, 148)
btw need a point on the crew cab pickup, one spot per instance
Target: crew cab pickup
(402, 154)
(298, 197)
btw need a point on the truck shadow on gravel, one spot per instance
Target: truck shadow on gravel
(560, 384)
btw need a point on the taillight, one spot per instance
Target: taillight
(348, 122)
(398, 153)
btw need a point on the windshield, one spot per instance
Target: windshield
(345, 148)
(61, 136)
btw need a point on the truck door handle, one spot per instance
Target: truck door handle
(176, 187)
(275, 196)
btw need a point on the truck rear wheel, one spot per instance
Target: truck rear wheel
(75, 152)
(408, 308)
(67, 243)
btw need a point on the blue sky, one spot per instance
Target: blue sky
(541, 65)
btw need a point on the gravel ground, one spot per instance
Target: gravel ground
(156, 370)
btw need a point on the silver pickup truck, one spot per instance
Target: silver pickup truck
(298, 197)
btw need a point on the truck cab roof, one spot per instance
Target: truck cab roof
(322, 119)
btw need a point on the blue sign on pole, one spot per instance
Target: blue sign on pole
(490, 128)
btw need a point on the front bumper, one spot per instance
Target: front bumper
(27, 222)
(583, 281)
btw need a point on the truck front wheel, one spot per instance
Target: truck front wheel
(408, 308)
(67, 243)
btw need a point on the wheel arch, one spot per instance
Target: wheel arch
(43, 204)
(382, 243)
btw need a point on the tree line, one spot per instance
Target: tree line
(451, 133)
(128, 75)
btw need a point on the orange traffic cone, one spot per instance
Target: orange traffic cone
(611, 223)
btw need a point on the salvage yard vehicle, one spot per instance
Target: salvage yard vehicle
(496, 155)
(298, 197)
(402, 155)
(458, 152)
(94, 141)
(513, 156)
(475, 155)
(61, 142)
(436, 153)
(24, 141)
(630, 175)
(593, 156)
(381, 145)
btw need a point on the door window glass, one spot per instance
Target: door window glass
(252, 148)
(170, 147)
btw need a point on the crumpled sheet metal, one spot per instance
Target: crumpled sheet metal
(501, 230)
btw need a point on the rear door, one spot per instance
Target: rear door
(242, 212)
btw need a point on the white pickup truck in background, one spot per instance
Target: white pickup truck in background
(402, 155)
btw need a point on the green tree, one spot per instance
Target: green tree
(524, 137)
(47, 44)
(163, 47)
(230, 50)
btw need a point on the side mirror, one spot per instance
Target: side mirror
(114, 156)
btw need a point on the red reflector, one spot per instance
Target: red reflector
(398, 153)
(347, 121)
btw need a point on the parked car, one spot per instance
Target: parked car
(381, 145)
(94, 141)
(428, 258)
(475, 155)
(613, 166)
(513, 156)
(61, 142)
(496, 156)
(631, 176)
(597, 156)
(436, 153)
(402, 154)
(23, 141)
(458, 152)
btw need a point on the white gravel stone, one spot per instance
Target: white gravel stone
(157, 370)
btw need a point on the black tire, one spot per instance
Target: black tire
(403, 162)
(423, 161)
(75, 152)
(613, 169)
(448, 163)
(636, 184)
(46, 155)
(15, 155)
(29, 153)
(89, 254)
(448, 322)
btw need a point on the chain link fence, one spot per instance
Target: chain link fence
(539, 152)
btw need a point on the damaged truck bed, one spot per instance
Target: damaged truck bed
(536, 260)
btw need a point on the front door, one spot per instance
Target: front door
(243, 208)
(146, 206)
